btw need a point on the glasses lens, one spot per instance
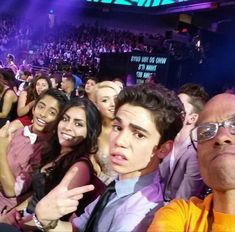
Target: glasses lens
(206, 132)
(230, 123)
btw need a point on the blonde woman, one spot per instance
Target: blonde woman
(104, 95)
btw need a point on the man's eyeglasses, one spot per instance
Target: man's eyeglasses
(207, 131)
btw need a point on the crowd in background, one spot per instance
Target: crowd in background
(66, 43)
(53, 121)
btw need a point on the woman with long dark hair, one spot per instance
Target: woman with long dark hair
(77, 133)
(30, 94)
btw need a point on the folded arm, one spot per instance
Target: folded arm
(22, 107)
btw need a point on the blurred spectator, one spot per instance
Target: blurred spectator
(10, 63)
(8, 98)
(89, 85)
(68, 85)
(119, 82)
(180, 170)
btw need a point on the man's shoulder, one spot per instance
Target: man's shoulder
(180, 213)
(149, 197)
(191, 205)
(188, 151)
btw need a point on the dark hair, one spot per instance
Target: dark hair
(165, 106)
(91, 78)
(10, 57)
(86, 147)
(69, 77)
(31, 89)
(8, 77)
(55, 93)
(27, 73)
(197, 95)
(57, 77)
(61, 99)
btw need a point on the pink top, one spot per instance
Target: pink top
(22, 156)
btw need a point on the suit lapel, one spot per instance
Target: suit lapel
(180, 152)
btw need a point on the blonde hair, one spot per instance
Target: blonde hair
(103, 84)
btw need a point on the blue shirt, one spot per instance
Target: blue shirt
(130, 208)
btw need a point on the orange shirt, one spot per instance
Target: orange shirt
(190, 216)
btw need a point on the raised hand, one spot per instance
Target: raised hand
(61, 201)
(8, 130)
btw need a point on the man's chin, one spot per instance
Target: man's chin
(38, 130)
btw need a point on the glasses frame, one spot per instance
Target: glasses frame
(225, 124)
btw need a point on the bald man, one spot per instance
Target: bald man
(215, 135)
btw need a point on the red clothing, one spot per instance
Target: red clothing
(25, 120)
(22, 156)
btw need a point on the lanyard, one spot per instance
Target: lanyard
(210, 217)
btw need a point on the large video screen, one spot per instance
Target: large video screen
(134, 67)
(140, 3)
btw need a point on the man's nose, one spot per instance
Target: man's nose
(122, 139)
(223, 136)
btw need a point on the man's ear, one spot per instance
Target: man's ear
(193, 117)
(164, 149)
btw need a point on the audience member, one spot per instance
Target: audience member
(27, 100)
(10, 63)
(55, 80)
(215, 138)
(179, 170)
(89, 86)
(119, 82)
(25, 78)
(68, 85)
(105, 94)
(29, 95)
(8, 98)
(147, 118)
(22, 151)
(77, 133)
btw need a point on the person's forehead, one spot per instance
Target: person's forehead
(219, 108)
(49, 101)
(90, 81)
(135, 114)
(41, 81)
(76, 112)
(106, 91)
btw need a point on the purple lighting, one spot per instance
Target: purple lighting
(186, 8)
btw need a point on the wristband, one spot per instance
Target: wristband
(51, 225)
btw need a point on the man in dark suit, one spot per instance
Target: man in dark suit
(179, 170)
